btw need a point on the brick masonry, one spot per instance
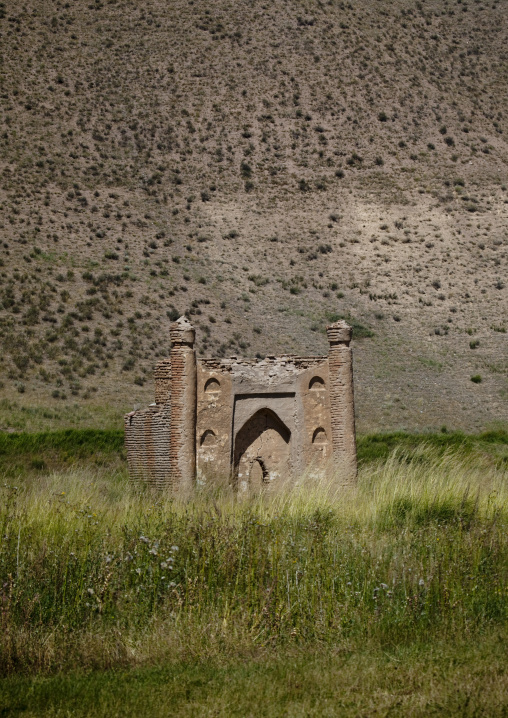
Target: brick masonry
(249, 423)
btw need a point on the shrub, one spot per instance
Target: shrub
(129, 364)
(245, 170)
(355, 160)
(359, 330)
(476, 379)
(258, 279)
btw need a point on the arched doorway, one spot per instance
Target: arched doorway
(261, 453)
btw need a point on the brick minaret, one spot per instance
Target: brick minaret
(182, 428)
(342, 404)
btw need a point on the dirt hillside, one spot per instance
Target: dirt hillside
(263, 167)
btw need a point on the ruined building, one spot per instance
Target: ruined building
(253, 423)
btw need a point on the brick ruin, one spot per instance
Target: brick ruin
(250, 422)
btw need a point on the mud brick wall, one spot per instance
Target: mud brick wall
(162, 377)
(316, 435)
(147, 444)
(213, 423)
(249, 421)
(342, 410)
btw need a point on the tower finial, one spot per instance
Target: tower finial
(182, 332)
(339, 333)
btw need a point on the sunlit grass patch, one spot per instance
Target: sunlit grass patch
(98, 572)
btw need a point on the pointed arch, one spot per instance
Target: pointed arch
(262, 446)
(271, 421)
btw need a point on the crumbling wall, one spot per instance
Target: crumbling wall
(314, 400)
(147, 444)
(253, 421)
(213, 422)
(162, 377)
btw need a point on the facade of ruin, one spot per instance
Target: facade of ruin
(253, 423)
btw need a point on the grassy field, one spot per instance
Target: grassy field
(33, 453)
(389, 598)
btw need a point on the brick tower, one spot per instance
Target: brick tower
(342, 405)
(182, 428)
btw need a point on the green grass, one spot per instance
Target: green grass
(385, 598)
(32, 453)
(373, 447)
(359, 330)
(462, 679)
(16, 416)
(25, 453)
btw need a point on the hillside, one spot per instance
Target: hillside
(263, 167)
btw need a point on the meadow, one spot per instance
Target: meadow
(386, 598)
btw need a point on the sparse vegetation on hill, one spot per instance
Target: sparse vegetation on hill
(281, 160)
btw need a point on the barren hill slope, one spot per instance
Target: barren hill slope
(262, 167)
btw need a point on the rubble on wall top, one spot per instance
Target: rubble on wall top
(276, 367)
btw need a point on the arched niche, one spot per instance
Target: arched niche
(316, 384)
(261, 451)
(319, 436)
(212, 387)
(208, 438)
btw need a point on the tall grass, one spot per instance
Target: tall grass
(97, 573)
